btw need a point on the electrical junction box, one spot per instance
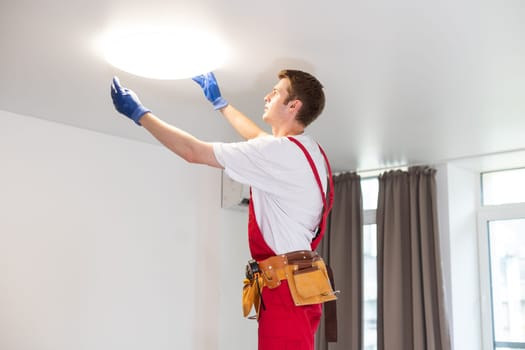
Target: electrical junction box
(234, 194)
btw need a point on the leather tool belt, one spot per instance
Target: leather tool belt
(304, 270)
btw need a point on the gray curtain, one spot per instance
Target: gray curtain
(341, 248)
(411, 310)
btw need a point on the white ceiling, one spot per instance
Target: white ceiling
(407, 81)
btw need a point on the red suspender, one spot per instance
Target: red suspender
(326, 206)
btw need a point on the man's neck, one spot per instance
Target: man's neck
(292, 131)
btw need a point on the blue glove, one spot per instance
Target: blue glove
(127, 102)
(209, 86)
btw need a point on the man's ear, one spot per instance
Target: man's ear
(295, 105)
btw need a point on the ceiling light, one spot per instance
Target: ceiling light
(161, 53)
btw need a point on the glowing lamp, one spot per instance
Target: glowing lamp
(161, 53)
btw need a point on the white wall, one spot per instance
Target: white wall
(108, 243)
(458, 195)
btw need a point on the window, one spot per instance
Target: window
(503, 187)
(502, 241)
(507, 252)
(369, 287)
(369, 189)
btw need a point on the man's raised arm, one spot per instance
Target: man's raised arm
(180, 142)
(240, 122)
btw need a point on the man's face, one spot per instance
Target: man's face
(274, 102)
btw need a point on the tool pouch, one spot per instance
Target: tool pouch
(309, 284)
(272, 271)
(251, 296)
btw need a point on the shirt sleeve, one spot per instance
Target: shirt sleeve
(265, 163)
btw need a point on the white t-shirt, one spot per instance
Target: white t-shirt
(287, 202)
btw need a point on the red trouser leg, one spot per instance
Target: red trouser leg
(284, 326)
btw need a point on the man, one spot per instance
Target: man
(287, 172)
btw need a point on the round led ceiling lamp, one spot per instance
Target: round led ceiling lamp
(162, 53)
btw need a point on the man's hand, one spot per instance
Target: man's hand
(127, 102)
(209, 86)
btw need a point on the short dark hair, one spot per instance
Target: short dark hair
(306, 88)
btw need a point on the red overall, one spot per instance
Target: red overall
(282, 325)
